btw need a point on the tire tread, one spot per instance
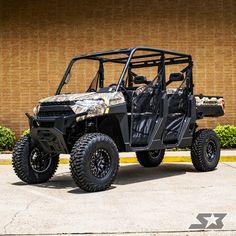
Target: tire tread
(22, 169)
(197, 154)
(77, 165)
(145, 159)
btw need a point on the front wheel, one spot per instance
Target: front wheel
(94, 162)
(150, 158)
(30, 164)
(205, 150)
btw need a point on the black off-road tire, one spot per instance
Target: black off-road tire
(205, 150)
(150, 158)
(91, 149)
(22, 164)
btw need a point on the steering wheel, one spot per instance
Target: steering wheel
(121, 88)
(125, 93)
(111, 85)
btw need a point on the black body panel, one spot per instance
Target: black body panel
(209, 111)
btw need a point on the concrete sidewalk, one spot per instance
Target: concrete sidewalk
(142, 201)
(130, 157)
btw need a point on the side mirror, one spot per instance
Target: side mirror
(140, 79)
(176, 77)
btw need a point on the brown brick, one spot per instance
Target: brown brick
(38, 38)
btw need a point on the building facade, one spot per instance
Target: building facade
(38, 38)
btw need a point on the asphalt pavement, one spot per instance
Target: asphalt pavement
(142, 201)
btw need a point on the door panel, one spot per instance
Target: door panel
(177, 110)
(145, 110)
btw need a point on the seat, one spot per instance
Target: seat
(177, 110)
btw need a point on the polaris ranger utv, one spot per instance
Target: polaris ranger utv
(130, 113)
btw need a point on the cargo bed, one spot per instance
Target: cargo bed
(209, 106)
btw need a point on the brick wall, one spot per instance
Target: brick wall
(37, 39)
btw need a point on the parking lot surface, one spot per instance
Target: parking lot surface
(163, 200)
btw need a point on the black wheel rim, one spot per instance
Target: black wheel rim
(38, 162)
(211, 150)
(100, 163)
(155, 154)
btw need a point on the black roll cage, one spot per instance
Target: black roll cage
(165, 57)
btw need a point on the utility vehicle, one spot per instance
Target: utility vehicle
(146, 109)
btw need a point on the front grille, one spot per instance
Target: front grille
(42, 114)
(54, 111)
(57, 103)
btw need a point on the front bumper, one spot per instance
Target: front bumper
(49, 132)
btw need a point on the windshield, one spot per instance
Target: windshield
(88, 75)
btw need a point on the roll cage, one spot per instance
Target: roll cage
(150, 58)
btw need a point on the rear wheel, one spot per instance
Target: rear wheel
(150, 158)
(94, 162)
(205, 150)
(30, 164)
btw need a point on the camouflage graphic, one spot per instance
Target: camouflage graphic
(95, 104)
(144, 88)
(206, 101)
(209, 101)
(170, 90)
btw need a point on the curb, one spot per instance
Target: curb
(176, 159)
(132, 159)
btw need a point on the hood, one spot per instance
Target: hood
(95, 104)
(66, 97)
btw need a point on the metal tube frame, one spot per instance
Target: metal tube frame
(178, 58)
